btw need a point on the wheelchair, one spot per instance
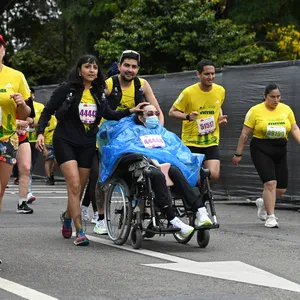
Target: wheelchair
(130, 208)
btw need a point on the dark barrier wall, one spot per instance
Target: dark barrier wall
(244, 88)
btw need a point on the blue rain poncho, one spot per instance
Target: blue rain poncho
(125, 136)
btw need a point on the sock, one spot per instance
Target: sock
(202, 210)
(21, 200)
(101, 217)
(272, 215)
(173, 220)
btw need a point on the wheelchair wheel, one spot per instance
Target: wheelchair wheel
(181, 239)
(118, 211)
(136, 238)
(203, 237)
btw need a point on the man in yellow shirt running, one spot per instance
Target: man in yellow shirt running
(199, 107)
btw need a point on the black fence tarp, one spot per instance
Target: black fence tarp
(244, 88)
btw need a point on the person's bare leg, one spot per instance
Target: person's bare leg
(269, 196)
(214, 166)
(5, 171)
(75, 178)
(24, 164)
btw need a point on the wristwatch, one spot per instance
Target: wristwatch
(187, 117)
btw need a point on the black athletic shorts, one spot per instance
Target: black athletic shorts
(211, 152)
(65, 151)
(270, 160)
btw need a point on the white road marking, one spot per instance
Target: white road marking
(23, 291)
(227, 270)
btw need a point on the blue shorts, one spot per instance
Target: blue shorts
(50, 153)
(8, 149)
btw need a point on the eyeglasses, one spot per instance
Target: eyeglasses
(130, 54)
(151, 113)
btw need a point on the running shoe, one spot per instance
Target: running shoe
(271, 222)
(100, 227)
(202, 218)
(16, 181)
(30, 198)
(66, 229)
(185, 231)
(85, 213)
(81, 239)
(261, 211)
(24, 209)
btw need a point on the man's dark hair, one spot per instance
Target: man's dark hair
(203, 63)
(74, 74)
(131, 54)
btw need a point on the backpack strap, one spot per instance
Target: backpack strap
(115, 96)
(138, 91)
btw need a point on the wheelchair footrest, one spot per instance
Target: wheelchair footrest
(164, 230)
(213, 226)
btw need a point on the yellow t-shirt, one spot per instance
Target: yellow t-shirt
(38, 108)
(11, 81)
(87, 109)
(127, 100)
(203, 132)
(49, 130)
(267, 124)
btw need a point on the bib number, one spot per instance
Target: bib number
(206, 125)
(276, 132)
(153, 141)
(87, 113)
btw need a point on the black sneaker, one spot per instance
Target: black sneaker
(24, 209)
(50, 180)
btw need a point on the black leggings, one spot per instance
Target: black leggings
(89, 195)
(270, 160)
(181, 186)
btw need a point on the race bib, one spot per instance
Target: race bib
(276, 132)
(87, 113)
(206, 125)
(153, 141)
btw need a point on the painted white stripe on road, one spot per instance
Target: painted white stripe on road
(227, 270)
(23, 291)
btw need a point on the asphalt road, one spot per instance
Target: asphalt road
(244, 260)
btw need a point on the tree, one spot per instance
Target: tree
(177, 34)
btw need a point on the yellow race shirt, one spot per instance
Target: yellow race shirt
(127, 100)
(203, 132)
(87, 109)
(11, 81)
(38, 108)
(49, 130)
(267, 124)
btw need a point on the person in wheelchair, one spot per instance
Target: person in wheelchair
(144, 134)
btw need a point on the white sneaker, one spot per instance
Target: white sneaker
(95, 217)
(271, 222)
(100, 227)
(30, 198)
(85, 213)
(202, 218)
(185, 231)
(261, 211)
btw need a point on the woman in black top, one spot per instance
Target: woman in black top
(79, 105)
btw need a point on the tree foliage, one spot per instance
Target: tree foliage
(46, 37)
(177, 34)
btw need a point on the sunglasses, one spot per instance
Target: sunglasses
(151, 113)
(130, 54)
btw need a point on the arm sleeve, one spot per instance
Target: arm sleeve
(110, 114)
(291, 117)
(181, 102)
(250, 119)
(29, 102)
(55, 101)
